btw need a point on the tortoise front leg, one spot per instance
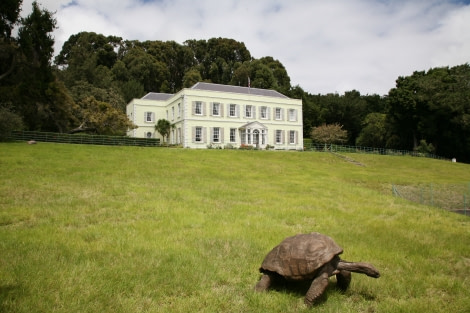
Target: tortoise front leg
(264, 283)
(343, 278)
(317, 289)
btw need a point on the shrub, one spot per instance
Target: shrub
(9, 121)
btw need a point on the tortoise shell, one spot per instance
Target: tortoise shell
(300, 256)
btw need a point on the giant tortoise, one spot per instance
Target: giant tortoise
(310, 257)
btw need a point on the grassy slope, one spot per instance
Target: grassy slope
(124, 229)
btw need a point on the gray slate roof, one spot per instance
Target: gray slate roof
(219, 88)
(237, 89)
(157, 96)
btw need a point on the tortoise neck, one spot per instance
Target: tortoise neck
(358, 267)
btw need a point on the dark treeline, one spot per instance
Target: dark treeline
(88, 84)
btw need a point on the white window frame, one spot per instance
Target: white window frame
(232, 110)
(198, 134)
(149, 117)
(278, 113)
(233, 135)
(263, 112)
(249, 111)
(216, 134)
(292, 115)
(216, 109)
(278, 136)
(292, 137)
(198, 108)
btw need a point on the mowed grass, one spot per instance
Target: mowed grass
(127, 229)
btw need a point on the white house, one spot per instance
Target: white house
(212, 115)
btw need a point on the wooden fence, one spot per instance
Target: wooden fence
(84, 139)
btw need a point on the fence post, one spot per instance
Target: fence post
(395, 191)
(432, 195)
(465, 205)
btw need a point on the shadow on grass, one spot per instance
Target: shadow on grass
(300, 288)
(6, 293)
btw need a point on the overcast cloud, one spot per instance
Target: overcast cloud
(326, 46)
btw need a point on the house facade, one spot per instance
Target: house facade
(212, 115)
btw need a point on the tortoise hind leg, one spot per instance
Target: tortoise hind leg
(343, 279)
(317, 289)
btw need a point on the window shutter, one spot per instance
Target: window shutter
(237, 110)
(194, 108)
(211, 134)
(221, 108)
(203, 108)
(221, 134)
(203, 135)
(253, 111)
(193, 134)
(153, 116)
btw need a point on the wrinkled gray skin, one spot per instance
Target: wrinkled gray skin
(310, 257)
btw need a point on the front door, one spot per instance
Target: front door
(256, 138)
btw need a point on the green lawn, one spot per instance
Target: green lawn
(127, 229)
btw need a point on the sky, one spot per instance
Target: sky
(326, 46)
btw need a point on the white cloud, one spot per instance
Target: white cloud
(326, 46)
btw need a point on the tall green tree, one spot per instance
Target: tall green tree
(217, 58)
(374, 131)
(9, 18)
(433, 106)
(85, 56)
(31, 89)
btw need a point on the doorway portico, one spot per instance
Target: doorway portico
(254, 134)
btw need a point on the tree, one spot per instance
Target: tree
(101, 118)
(163, 127)
(9, 17)
(31, 88)
(374, 132)
(329, 134)
(146, 69)
(433, 106)
(191, 77)
(8, 121)
(217, 58)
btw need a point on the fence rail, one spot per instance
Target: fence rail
(155, 142)
(455, 198)
(84, 139)
(367, 150)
